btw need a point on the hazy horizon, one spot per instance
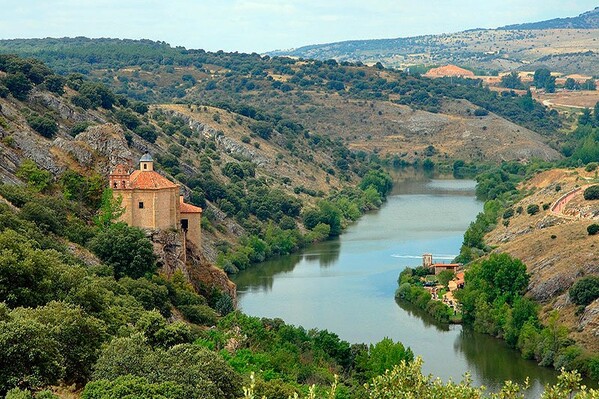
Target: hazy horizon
(266, 25)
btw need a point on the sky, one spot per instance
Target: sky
(263, 25)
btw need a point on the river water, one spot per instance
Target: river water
(347, 285)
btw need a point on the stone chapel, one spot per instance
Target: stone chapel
(151, 201)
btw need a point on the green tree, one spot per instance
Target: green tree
(78, 336)
(445, 277)
(35, 177)
(512, 81)
(110, 209)
(590, 84)
(29, 356)
(128, 386)
(18, 85)
(591, 193)
(571, 84)
(126, 249)
(382, 356)
(585, 118)
(44, 125)
(585, 290)
(200, 372)
(55, 84)
(541, 78)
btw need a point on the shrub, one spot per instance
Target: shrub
(17, 84)
(591, 166)
(591, 193)
(481, 112)
(78, 128)
(508, 213)
(532, 209)
(593, 229)
(44, 125)
(199, 314)
(585, 290)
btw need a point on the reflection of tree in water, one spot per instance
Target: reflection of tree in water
(260, 277)
(326, 253)
(427, 319)
(494, 362)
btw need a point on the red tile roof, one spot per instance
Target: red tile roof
(188, 208)
(149, 180)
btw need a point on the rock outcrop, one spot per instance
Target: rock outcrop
(173, 257)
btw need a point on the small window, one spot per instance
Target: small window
(116, 185)
(184, 224)
(145, 166)
(141, 205)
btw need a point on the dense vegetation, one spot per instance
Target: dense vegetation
(493, 302)
(65, 321)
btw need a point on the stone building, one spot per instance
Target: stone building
(436, 268)
(151, 201)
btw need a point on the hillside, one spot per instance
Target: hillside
(217, 155)
(567, 45)
(365, 107)
(555, 246)
(586, 20)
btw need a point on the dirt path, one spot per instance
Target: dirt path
(558, 206)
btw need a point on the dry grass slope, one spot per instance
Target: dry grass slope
(556, 249)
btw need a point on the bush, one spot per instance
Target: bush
(17, 84)
(132, 387)
(508, 213)
(199, 314)
(591, 193)
(481, 112)
(592, 166)
(593, 229)
(585, 290)
(44, 125)
(532, 209)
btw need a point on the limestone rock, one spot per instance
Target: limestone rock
(168, 246)
(107, 141)
(590, 318)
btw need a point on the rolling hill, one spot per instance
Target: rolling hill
(567, 45)
(366, 108)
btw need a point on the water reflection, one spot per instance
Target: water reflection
(427, 320)
(261, 278)
(326, 254)
(502, 365)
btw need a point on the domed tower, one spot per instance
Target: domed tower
(146, 163)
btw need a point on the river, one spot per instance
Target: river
(347, 285)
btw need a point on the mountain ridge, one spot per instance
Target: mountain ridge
(486, 51)
(586, 20)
